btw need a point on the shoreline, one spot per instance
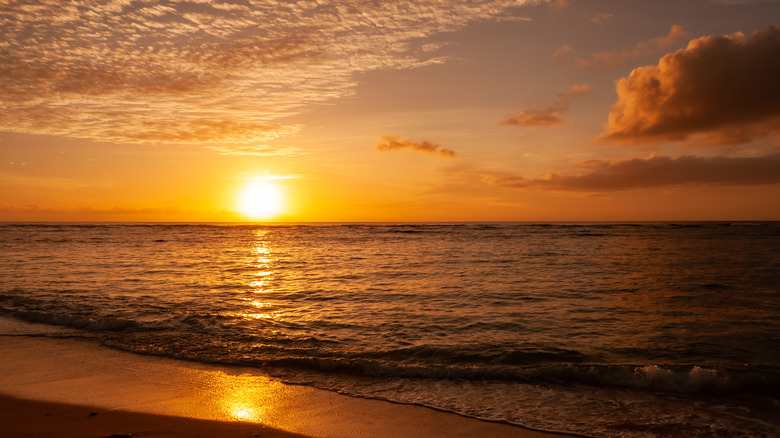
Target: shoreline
(23, 418)
(41, 374)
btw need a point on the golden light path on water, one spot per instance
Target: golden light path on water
(260, 282)
(264, 275)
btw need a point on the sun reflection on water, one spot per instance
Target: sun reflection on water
(262, 264)
(264, 315)
(263, 273)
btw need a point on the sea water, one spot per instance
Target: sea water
(609, 330)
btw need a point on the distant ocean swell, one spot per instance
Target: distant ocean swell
(609, 330)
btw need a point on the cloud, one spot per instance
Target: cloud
(257, 150)
(558, 5)
(395, 142)
(211, 72)
(601, 18)
(577, 89)
(720, 89)
(742, 2)
(562, 51)
(551, 114)
(616, 59)
(656, 171)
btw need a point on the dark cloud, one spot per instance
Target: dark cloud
(723, 89)
(395, 142)
(551, 114)
(656, 171)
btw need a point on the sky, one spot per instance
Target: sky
(395, 110)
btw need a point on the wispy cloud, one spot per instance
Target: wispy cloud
(205, 71)
(723, 89)
(395, 142)
(551, 114)
(257, 150)
(742, 2)
(618, 58)
(601, 18)
(559, 4)
(656, 171)
(562, 51)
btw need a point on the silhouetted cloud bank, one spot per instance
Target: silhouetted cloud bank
(656, 171)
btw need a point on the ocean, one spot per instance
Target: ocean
(599, 329)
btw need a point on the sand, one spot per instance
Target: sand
(25, 418)
(156, 396)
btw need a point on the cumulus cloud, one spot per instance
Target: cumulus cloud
(656, 171)
(395, 142)
(203, 71)
(618, 58)
(720, 90)
(551, 114)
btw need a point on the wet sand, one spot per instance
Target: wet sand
(148, 396)
(36, 419)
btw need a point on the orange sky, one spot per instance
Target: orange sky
(469, 110)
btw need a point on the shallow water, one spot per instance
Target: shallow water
(630, 330)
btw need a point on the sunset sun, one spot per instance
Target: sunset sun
(261, 199)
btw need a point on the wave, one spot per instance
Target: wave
(531, 365)
(684, 379)
(110, 324)
(690, 379)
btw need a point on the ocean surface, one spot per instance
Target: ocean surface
(605, 330)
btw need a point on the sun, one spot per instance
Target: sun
(261, 199)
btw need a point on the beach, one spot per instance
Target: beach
(26, 418)
(74, 388)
